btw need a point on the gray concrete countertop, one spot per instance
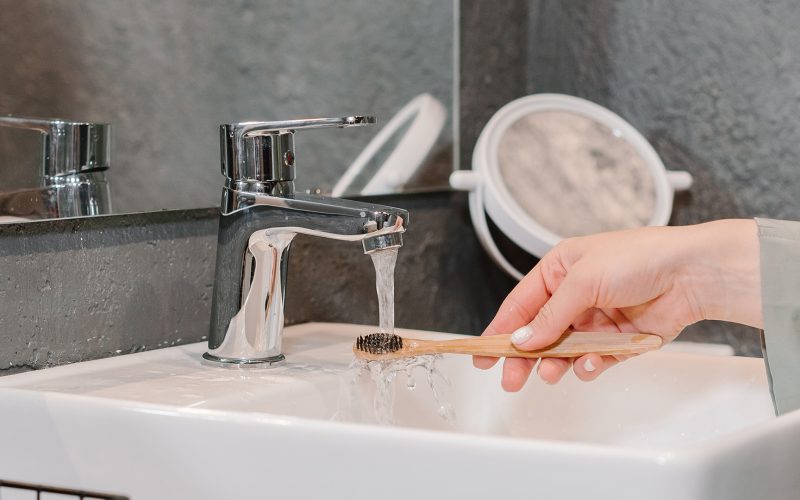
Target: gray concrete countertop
(78, 289)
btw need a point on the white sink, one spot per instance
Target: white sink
(165, 424)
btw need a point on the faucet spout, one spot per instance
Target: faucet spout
(253, 248)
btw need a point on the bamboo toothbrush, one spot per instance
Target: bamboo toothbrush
(385, 346)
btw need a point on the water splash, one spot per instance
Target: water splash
(383, 374)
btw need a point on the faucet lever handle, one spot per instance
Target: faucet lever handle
(68, 147)
(250, 129)
(263, 152)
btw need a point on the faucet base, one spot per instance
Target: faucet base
(269, 362)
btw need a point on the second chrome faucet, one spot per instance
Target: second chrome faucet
(259, 217)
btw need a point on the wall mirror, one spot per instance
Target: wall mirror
(165, 74)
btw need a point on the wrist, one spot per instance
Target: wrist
(722, 265)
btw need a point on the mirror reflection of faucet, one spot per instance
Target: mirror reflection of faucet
(72, 179)
(260, 215)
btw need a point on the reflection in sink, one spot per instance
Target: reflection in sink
(688, 424)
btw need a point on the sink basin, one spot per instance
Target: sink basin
(166, 424)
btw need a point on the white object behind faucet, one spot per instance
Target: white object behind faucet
(429, 116)
(489, 192)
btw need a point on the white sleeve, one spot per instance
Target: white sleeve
(780, 294)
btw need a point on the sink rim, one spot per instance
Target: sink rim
(703, 450)
(54, 399)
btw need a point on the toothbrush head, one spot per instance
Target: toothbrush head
(377, 344)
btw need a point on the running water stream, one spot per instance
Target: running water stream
(383, 373)
(384, 262)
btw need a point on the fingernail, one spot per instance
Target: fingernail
(589, 366)
(539, 373)
(521, 335)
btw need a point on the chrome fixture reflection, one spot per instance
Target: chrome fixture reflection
(72, 182)
(260, 215)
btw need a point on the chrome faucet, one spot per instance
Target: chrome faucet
(260, 215)
(72, 182)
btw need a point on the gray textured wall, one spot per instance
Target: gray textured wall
(167, 73)
(492, 69)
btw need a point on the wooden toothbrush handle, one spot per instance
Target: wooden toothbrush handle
(570, 345)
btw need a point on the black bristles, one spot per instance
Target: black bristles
(379, 343)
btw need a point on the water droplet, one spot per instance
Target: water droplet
(411, 383)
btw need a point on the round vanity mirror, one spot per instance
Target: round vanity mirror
(550, 166)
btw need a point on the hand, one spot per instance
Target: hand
(651, 280)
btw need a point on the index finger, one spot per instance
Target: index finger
(517, 310)
(521, 305)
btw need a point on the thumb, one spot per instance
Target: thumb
(569, 300)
